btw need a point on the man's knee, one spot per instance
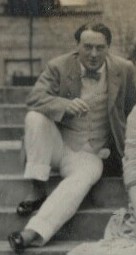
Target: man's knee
(35, 119)
(41, 127)
(94, 170)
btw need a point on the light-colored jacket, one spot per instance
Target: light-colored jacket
(61, 81)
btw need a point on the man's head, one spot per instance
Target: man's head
(93, 43)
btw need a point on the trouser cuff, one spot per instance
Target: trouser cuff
(39, 172)
(38, 227)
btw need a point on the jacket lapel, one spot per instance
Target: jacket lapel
(113, 78)
(74, 76)
(114, 81)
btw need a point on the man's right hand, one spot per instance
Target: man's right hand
(77, 107)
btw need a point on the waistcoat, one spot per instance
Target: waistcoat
(93, 128)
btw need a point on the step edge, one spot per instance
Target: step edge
(52, 247)
(11, 126)
(10, 145)
(12, 210)
(11, 106)
(20, 177)
(53, 173)
(17, 88)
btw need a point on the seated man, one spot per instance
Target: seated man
(80, 101)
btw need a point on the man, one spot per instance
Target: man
(79, 102)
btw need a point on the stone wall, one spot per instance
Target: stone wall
(121, 17)
(54, 35)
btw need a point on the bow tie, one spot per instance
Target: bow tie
(92, 75)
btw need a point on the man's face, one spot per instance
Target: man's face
(92, 49)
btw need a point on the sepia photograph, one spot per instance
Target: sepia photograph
(68, 127)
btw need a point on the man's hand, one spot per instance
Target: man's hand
(77, 107)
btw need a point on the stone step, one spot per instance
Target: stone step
(11, 132)
(12, 114)
(108, 192)
(19, 188)
(10, 158)
(14, 95)
(85, 225)
(53, 248)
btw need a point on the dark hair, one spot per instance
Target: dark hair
(100, 28)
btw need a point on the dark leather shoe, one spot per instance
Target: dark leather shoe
(16, 242)
(25, 208)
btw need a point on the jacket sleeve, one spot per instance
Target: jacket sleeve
(130, 95)
(45, 96)
(129, 160)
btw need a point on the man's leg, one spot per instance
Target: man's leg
(82, 170)
(43, 144)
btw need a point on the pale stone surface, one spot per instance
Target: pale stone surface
(106, 247)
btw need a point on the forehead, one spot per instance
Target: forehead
(92, 37)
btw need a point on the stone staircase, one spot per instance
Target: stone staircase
(89, 222)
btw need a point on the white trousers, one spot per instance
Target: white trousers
(80, 170)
